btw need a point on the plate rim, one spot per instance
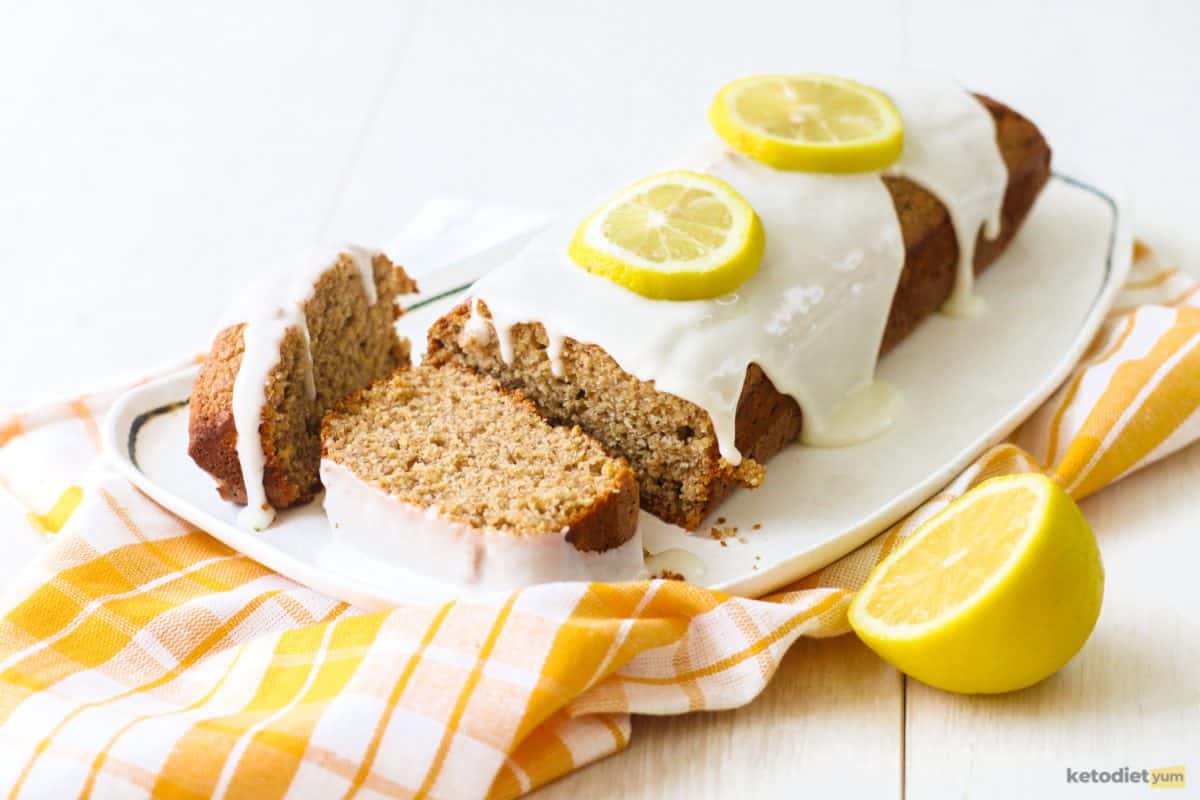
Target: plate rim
(119, 433)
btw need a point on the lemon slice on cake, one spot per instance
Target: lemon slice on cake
(811, 123)
(995, 593)
(678, 235)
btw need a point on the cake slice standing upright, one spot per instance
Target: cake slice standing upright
(294, 348)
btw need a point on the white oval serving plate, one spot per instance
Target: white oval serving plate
(966, 383)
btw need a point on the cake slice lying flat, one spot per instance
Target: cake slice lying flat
(292, 351)
(442, 471)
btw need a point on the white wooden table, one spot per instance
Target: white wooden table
(154, 156)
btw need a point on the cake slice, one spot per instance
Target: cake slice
(441, 470)
(291, 353)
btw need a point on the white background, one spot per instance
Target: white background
(153, 156)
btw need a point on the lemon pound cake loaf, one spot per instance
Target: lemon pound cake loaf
(698, 393)
(443, 471)
(291, 352)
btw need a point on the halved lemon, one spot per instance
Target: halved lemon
(678, 235)
(810, 123)
(996, 592)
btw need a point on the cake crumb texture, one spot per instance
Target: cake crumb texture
(454, 440)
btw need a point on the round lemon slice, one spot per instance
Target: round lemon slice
(995, 593)
(677, 235)
(810, 123)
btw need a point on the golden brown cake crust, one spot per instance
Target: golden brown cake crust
(212, 436)
(612, 521)
(289, 429)
(767, 420)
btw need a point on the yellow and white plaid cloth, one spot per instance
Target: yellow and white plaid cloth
(140, 656)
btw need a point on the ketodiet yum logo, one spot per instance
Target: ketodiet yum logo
(1156, 778)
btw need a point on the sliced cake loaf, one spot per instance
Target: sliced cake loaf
(293, 351)
(445, 472)
(670, 442)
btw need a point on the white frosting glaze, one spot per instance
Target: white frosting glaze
(269, 308)
(950, 149)
(261, 340)
(422, 539)
(812, 316)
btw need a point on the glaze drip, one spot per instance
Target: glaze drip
(268, 314)
(950, 150)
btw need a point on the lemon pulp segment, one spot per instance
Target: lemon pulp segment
(955, 560)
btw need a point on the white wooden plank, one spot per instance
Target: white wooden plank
(828, 725)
